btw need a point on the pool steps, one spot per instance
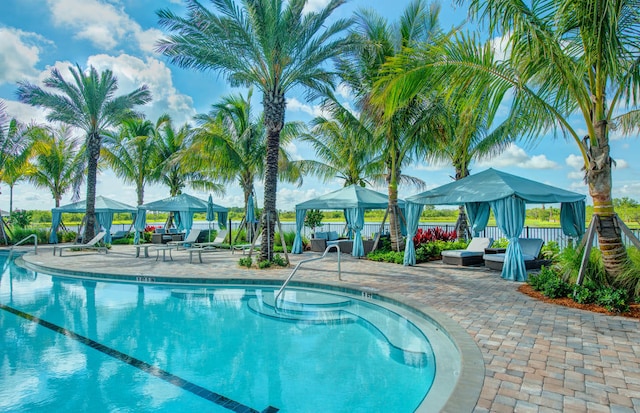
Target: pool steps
(405, 343)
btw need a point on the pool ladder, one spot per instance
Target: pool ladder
(22, 241)
(337, 247)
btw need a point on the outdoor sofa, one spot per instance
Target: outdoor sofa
(531, 248)
(472, 255)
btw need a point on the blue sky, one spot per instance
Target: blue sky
(36, 35)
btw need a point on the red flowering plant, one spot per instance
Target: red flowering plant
(432, 234)
(150, 228)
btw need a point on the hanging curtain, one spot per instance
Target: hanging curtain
(413, 218)
(177, 219)
(356, 217)
(186, 222)
(105, 219)
(347, 219)
(403, 225)
(139, 224)
(572, 218)
(297, 242)
(510, 214)
(478, 214)
(56, 217)
(222, 219)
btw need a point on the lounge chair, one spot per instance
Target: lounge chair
(217, 242)
(91, 245)
(247, 247)
(531, 248)
(472, 255)
(189, 241)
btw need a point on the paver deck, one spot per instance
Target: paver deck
(538, 357)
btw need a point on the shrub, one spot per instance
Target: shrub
(245, 262)
(432, 234)
(20, 233)
(264, 264)
(279, 261)
(549, 283)
(538, 281)
(583, 294)
(387, 256)
(20, 218)
(613, 299)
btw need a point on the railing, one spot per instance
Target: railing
(275, 299)
(22, 241)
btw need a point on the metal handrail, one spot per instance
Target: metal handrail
(35, 250)
(275, 300)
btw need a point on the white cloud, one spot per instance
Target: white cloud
(25, 113)
(19, 54)
(103, 24)
(621, 164)
(501, 47)
(315, 5)
(432, 166)
(516, 156)
(133, 72)
(631, 190)
(295, 105)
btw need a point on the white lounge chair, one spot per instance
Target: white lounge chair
(91, 245)
(217, 242)
(531, 248)
(189, 241)
(472, 255)
(246, 247)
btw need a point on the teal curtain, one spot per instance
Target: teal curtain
(297, 242)
(186, 222)
(572, 218)
(403, 225)
(139, 224)
(222, 219)
(356, 217)
(105, 219)
(177, 219)
(413, 219)
(56, 218)
(347, 219)
(510, 214)
(478, 214)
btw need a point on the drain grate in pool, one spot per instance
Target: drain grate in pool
(200, 391)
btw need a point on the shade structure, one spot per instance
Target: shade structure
(507, 195)
(104, 207)
(352, 197)
(183, 206)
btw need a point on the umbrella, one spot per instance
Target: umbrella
(210, 212)
(250, 216)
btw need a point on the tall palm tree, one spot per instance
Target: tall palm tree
(230, 142)
(15, 152)
(131, 152)
(404, 134)
(59, 162)
(565, 58)
(87, 103)
(271, 44)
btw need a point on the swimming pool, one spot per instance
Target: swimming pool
(82, 344)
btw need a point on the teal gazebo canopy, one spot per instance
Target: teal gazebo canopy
(105, 208)
(183, 206)
(354, 200)
(507, 195)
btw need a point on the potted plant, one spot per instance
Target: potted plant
(313, 219)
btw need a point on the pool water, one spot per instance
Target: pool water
(74, 345)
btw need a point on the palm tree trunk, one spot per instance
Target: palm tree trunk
(397, 241)
(10, 199)
(462, 224)
(614, 254)
(93, 152)
(274, 108)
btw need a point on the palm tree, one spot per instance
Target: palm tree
(565, 59)
(175, 168)
(342, 145)
(15, 152)
(87, 103)
(403, 134)
(59, 162)
(132, 151)
(231, 143)
(271, 44)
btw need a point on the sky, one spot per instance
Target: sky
(37, 35)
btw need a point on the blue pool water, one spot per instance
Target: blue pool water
(73, 345)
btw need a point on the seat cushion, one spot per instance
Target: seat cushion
(479, 244)
(333, 235)
(322, 235)
(462, 253)
(500, 257)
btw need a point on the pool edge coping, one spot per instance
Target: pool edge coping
(468, 386)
